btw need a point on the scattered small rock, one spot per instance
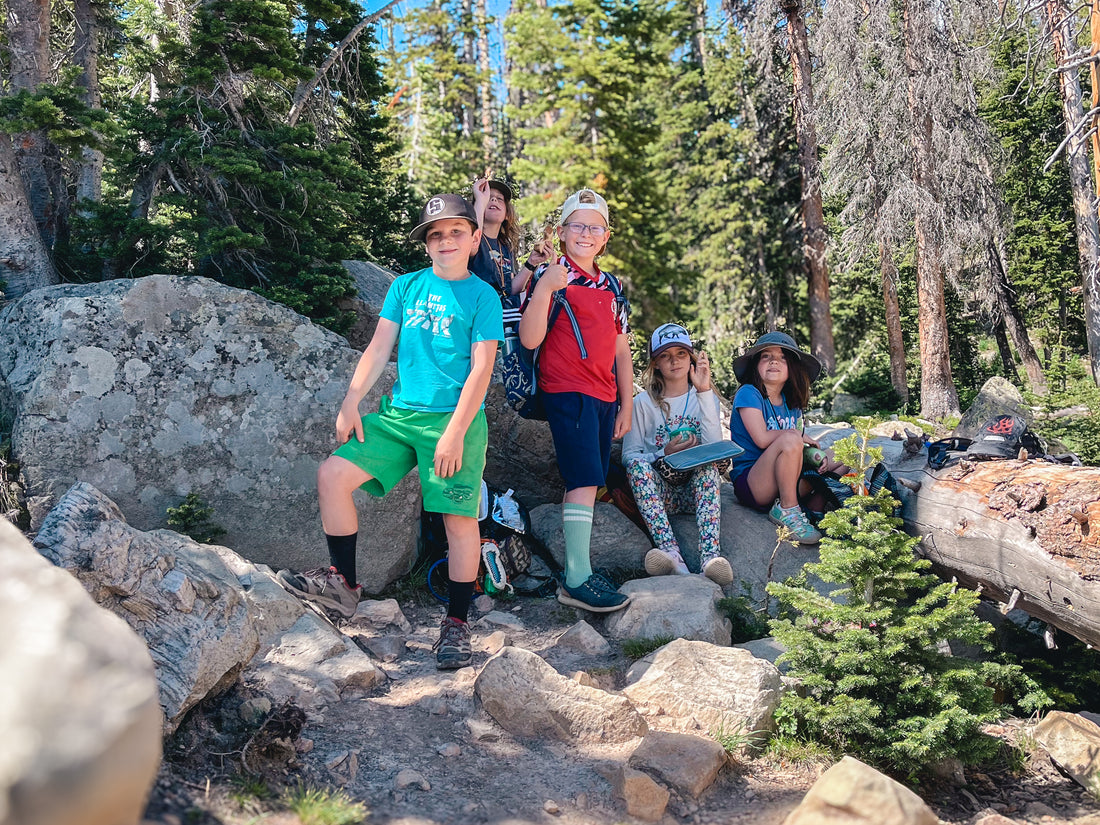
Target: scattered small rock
(386, 648)
(380, 614)
(254, 711)
(483, 603)
(408, 778)
(583, 638)
(496, 617)
(482, 731)
(449, 750)
(494, 642)
(551, 807)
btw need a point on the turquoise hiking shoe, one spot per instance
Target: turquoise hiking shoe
(795, 520)
(593, 595)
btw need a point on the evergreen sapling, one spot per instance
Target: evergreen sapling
(871, 655)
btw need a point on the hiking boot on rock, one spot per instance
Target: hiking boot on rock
(452, 651)
(323, 586)
(594, 594)
(717, 569)
(660, 562)
(795, 520)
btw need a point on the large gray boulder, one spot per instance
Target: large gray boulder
(857, 794)
(617, 543)
(78, 700)
(528, 698)
(677, 607)
(720, 688)
(154, 388)
(207, 615)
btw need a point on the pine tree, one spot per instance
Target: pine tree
(214, 176)
(446, 91)
(1041, 253)
(581, 73)
(728, 167)
(869, 653)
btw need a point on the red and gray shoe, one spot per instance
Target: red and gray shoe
(324, 586)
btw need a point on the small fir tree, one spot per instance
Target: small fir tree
(869, 654)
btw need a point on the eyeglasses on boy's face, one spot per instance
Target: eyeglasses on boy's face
(595, 230)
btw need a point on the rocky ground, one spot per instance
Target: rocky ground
(419, 750)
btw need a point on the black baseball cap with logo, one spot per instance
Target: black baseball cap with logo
(441, 207)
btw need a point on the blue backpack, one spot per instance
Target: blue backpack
(520, 364)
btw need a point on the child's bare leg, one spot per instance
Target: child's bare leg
(337, 479)
(777, 471)
(464, 547)
(577, 525)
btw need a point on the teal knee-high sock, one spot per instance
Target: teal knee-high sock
(578, 541)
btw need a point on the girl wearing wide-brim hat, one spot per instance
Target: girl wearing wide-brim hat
(767, 422)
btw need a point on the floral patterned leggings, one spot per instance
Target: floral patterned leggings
(656, 499)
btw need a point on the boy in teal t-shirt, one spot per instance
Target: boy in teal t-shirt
(446, 323)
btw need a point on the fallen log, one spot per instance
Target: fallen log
(1026, 532)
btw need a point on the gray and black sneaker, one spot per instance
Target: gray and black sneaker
(452, 651)
(324, 586)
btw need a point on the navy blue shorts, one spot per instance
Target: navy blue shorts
(744, 492)
(582, 428)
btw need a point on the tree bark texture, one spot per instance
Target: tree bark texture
(28, 30)
(24, 261)
(89, 182)
(939, 397)
(488, 139)
(1081, 183)
(814, 234)
(1028, 532)
(894, 339)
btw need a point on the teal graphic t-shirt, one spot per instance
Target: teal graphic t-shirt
(440, 320)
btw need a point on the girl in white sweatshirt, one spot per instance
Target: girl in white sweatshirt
(677, 409)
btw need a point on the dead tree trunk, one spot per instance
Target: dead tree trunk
(1005, 302)
(89, 182)
(814, 235)
(938, 396)
(1026, 532)
(894, 340)
(1085, 217)
(485, 87)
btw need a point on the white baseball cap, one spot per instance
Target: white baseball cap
(583, 199)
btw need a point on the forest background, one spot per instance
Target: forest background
(906, 185)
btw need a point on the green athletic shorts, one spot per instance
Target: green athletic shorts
(396, 440)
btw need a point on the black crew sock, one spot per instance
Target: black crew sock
(460, 595)
(341, 555)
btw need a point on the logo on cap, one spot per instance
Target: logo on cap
(434, 207)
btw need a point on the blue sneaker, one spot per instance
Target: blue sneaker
(593, 595)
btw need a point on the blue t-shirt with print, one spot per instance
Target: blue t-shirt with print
(775, 418)
(440, 320)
